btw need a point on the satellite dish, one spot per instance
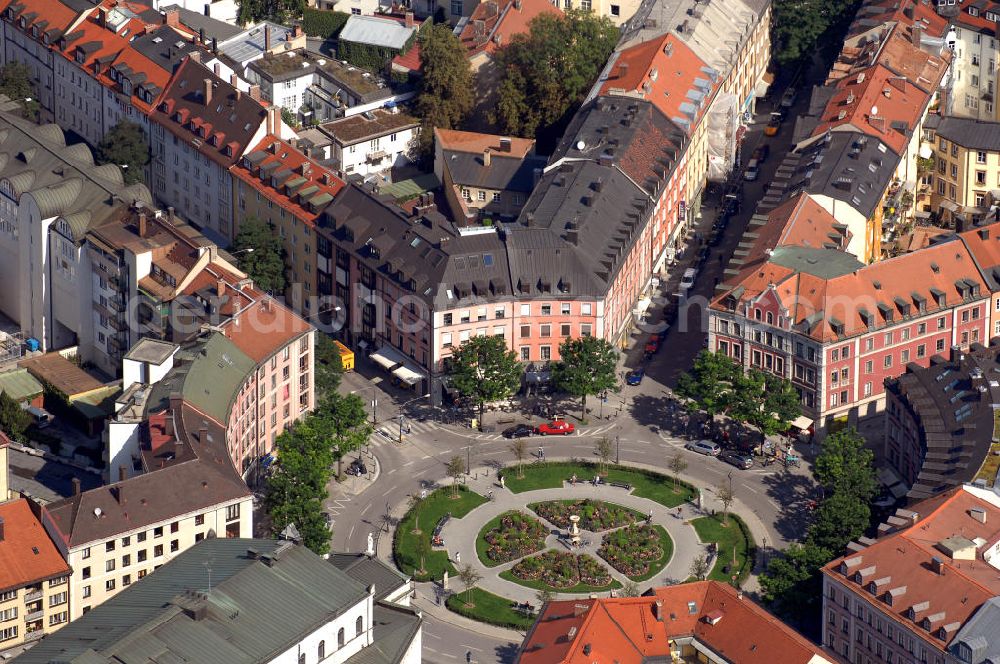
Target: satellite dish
(97, 511)
(874, 110)
(580, 145)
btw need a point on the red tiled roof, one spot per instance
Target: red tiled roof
(905, 558)
(27, 555)
(54, 14)
(630, 630)
(288, 158)
(409, 61)
(476, 143)
(663, 70)
(494, 22)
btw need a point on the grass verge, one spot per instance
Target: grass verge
(491, 609)
(645, 483)
(406, 545)
(736, 534)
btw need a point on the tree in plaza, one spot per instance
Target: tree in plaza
(445, 96)
(586, 366)
(297, 486)
(710, 382)
(469, 577)
(677, 465)
(699, 567)
(14, 420)
(483, 370)
(764, 401)
(455, 469)
(126, 146)
(519, 448)
(15, 83)
(328, 368)
(630, 589)
(347, 422)
(726, 496)
(547, 71)
(603, 449)
(837, 520)
(792, 583)
(845, 465)
(266, 263)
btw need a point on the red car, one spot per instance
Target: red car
(653, 345)
(555, 428)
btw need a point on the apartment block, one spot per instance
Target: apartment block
(34, 584)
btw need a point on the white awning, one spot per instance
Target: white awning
(388, 357)
(802, 422)
(925, 152)
(407, 374)
(640, 307)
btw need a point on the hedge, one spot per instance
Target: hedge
(323, 23)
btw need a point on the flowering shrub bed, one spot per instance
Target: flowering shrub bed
(634, 550)
(516, 535)
(559, 570)
(595, 515)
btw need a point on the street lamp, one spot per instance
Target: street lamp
(405, 404)
(374, 400)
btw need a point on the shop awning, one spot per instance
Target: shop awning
(408, 374)
(802, 422)
(641, 306)
(388, 357)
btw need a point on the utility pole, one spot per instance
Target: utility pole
(618, 449)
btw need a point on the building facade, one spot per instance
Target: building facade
(373, 142)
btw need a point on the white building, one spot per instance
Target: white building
(373, 142)
(268, 602)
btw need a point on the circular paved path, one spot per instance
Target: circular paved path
(460, 535)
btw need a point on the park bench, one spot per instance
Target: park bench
(621, 485)
(506, 419)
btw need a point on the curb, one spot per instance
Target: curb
(446, 615)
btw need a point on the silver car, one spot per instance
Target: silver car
(706, 447)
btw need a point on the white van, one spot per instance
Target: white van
(40, 417)
(687, 281)
(753, 171)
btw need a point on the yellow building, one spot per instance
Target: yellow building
(34, 577)
(966, 169)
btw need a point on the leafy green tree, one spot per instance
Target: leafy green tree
(277, 11)
(546, 72)
(483, 369)
(125, 145)
(838, 520)
(328, 367)
(455, 469)
(445, 96)
(764, 401)
(289, 118)
(14, 420)
(699, 567)
(15, 83)
(297, 486)
(798, 26)
(345, 419)
(792, 584)
(261, 254)
(710, 382)
(586, 366)
(845, 466)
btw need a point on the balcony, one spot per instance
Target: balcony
(34, 615)
(33, 595)
(34, 635)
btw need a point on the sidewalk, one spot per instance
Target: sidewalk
(426, 600)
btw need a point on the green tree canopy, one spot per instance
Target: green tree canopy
(710, 382)
(483, 369)
(328, 367)
(347, 422)
(548, 71)
(764, 401)
(278, 11)
(125, 145)
(15, 83)
(845, 466)
(792, 584)
(587, 365)
(799, 25)
(14, 420)
(266, 262)
(445, 96)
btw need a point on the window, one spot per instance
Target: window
(140, 557)
(157, 550)
(359, 626)
(546, 309)
(481, 195)
(546, 352)
(887, 361)
(868, 389)
(525, 331)
(981, 177)
(525, 309)
(545, 330)
(233, 512)
(109, 566)
(302, 658)
(446, 339)
(58, 581)
(941, 322)
(921, 350)
(496, 196)
(525, 353)
(58, 598)
(141, 537)
(86, 572)
(58, 618)
(456, 7)
(564, 330)
(86, 553)
(939, 346)
(158, 531)
(922, 328)
(86, 592)
(321, 650)
(8, 633)
(980, 157)
(585, 309)
(616, 10)
(109, 585)
(586, 330)
(174, 527)
(110, 546)
(904, 356)
(340, 637)
(199, 520)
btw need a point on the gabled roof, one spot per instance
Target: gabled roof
(27, 555)
(494, 22)
(476, 143)
(376, 31)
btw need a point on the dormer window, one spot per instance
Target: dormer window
(177, 117)
(80, 55)
(9, 14)
(34, 31)
(229, 150)
(21, 22)
(973, 11)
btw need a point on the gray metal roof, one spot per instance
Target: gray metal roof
(376, 32)
(503, 173)
(370, 571)
(822, 263)
(164, 46)
(970, 133)
(248, 45)
(213, 27)
(979, 635)
(264, 597)
(395, 627)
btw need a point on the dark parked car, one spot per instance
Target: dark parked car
(518, 431)
(635, 377)
(357, 468)
(737, 459)
(760, 154)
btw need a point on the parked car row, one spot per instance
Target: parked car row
(710, 448)
(553, 428)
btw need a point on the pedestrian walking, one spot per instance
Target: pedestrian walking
(458, 557)
(490, 494)
(468, 656)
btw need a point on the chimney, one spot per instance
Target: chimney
(233, 79)
(102, 18)
(937, 566)
(195, 56)
(142, 224)
(208, 91)
(255, 92)
(217, 69)
(505, 145)
(76, 486)
(916, 32)
(580, 609)
(172, 17)
(122, 474)
(170, 214)
(215, 45)
(203, 435)
(978, 513)
(623, 70)
(220, 288)
(201, 35)
(409, 19)
(270, 122)
(486, 157)
(658, 610)
(267, 38)
(296, 31)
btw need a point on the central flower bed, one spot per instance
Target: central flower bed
(595, 515)
(635, 551)
(514, 535)
(559, 570)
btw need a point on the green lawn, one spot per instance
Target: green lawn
(490, 608)
(481, 544)
(406, 545)
(645, 484)
(710, 529)
(578, 588)
(657, 566)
